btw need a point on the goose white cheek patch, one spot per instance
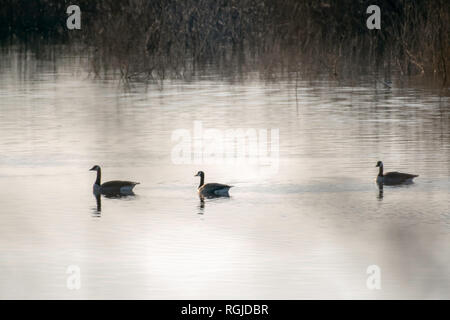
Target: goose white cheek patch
(234, 146)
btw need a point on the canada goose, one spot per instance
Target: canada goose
(112, 187)
(393, 178)
(211, 189)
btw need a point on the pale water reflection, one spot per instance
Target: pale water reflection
(309, 230)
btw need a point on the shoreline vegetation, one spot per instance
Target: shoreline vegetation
(162, 39)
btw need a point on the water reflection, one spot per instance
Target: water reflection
(97, 210)
(380, 191)
(401, 188)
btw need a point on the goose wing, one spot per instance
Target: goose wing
(399, 176)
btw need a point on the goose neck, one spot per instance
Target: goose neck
(380, 171)
(202, 180)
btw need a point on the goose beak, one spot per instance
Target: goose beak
(92, 169)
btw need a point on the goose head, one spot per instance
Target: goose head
(379, 164)
(200, 174)
(95, 168)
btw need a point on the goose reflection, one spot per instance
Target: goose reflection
(201, 206)
(97, 210)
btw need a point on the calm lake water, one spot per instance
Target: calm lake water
(306, 226)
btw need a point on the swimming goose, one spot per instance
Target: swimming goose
(211, 189)
(112, 187)
(393, 178)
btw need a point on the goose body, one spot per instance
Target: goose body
(393, 178)
(211, 189)
(115, 187)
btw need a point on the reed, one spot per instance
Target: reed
(144, 39)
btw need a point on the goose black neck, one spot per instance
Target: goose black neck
(99, 177)
(380, 172)
(202, 180)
